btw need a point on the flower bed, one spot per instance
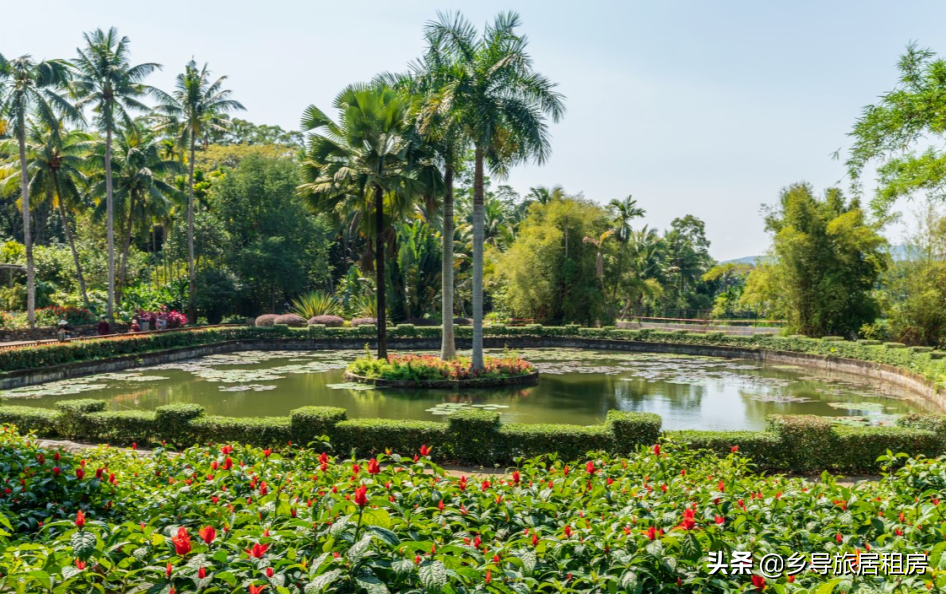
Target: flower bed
(430, 371)
(240, 519)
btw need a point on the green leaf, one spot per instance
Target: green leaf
(376, 517)
(433, 576)
(385, 535)
(318, 584)
(371, 583)
(83, 544)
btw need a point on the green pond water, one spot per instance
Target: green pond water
(575, 386)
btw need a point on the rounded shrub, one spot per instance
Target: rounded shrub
(363, 322)
(895, 345)
(832, 338)
(291, 320)
(266, 320)
(328, 321)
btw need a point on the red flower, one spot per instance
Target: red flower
(651, 533)
(80, 519)
(689, 519)
(227, 463)
(257, 551)
(80, 564)
(568, 531)
(56, 470)
(269, 572)
(202, 573)
(535, 539)
(80, 474)
(515, 476)
(226, 450)
(373, 467)
(256, 589)
(734, 449)
(168, 569)
(267, 452)
(424, 450)
(590, 467)
(182, 542)
(839, 538)
(759, 582)
(719, 519)
(207, 533)
(657, 449)
(361, 498)
(489, 578)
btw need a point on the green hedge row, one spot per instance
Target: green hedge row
(929, 364)
(800, 443)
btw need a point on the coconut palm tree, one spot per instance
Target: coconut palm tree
(56, 160)
(625, 211)
(196, 108)
(501, 105)
(139, 188)
(30, 89)
(362, 163)
(106, 81)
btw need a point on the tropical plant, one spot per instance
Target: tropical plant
(138, 186)
(195, 109)
(314, 304)
(31, 89)
(363, 159)
(106, 81)
(501, 104)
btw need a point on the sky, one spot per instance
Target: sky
(693, 107)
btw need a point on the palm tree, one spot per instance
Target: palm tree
(197, 108)
(501, 105)
(544, 195)
(138, 180)
(625, 211)
(56, 159)
(360, 161)
(30, 88)
(112, 86)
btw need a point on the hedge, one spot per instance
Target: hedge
(800, 443)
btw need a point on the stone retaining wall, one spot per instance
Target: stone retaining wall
(887, 373)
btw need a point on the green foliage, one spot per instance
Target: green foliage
(824, 262)
(171, 418)
(316, 303)
(631, 430)
(432, 368)
(473, 434)
(375, 436)
(311, 422)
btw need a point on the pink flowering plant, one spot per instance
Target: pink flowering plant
(420, 367)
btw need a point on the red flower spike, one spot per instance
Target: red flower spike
(207, 533)
(361, 498)
(182, 542)
(80, 519)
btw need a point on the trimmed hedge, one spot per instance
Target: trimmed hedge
(801, 443)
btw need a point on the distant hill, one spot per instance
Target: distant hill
(897, 253)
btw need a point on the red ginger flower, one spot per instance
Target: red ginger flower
(80, 564)
(202, 573)
(759, 582)
(182, 542)
(256, 589)
(80, 519)
(689, 519)
(208, 534)
(590, 467)
(373, 467)
(424, 450)
(257, 551)
(657, 449)
(361, 498)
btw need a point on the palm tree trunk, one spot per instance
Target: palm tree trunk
(72, 246)
(126, 244)
(27, 238)
(379, 271)
(191, 311)
(109, 223)
(448, 347)
(478, 214)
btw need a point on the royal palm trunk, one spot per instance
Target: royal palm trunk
(478, 216)
(27, 237)
(191, 309)
(448, 349)
(109, 223)
(379, 271)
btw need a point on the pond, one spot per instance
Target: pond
(575, 386)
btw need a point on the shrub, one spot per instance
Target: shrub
(433, 368)
(895, 345)
(805, 441)
(374, 436)
(472, 435)
(363, 322)
(121, 427)
(265, 431)
(315, 304)
(266, 320)
(568, 442)
(311, 422)
(172, 421)
(73, 413)
(291, 320)
(631, 429)
(43, 421)
(327, 321)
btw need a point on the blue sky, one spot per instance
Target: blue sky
(694, 107)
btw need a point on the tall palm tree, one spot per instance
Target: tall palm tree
(625, 211)
(56, 160)
(544, 195)
(29, 88)
(108, 82)
(501, 104)
(196, 108)
(138, 181)
(360, 161)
